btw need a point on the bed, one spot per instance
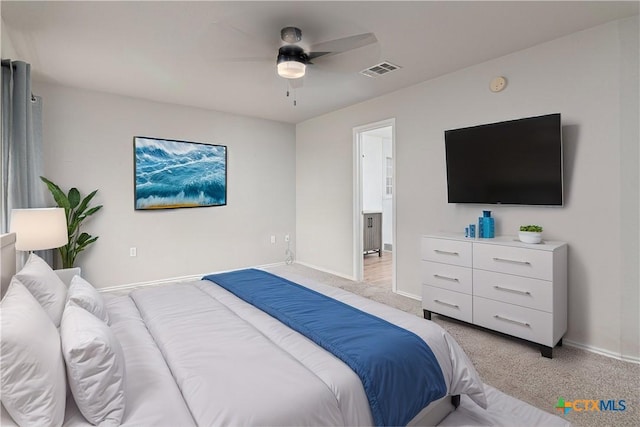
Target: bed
(196, 353)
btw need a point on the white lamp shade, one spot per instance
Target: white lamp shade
(291, 69)
(39, 229)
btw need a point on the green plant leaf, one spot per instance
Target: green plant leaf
(58, 195)
(82, 247)
(531, 228)
(74, 198)
(85, 202)
(92, 211)
(83, 238)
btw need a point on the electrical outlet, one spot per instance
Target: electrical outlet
(286, 237)
(133, 252)
(273, 239)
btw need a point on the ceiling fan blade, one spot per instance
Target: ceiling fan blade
(313, 55)
(333, 47)
(225, 29)
(245, 59)
(224, 42)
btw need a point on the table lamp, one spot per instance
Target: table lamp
(39, 229)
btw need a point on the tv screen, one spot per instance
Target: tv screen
(515, 162)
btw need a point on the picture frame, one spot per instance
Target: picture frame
(170, 174)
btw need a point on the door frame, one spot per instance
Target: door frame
(358, 261)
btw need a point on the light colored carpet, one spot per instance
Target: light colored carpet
(517, 368)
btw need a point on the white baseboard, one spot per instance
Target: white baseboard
(324, 270)
(128, 286)
(603, 352)
(189, 278)
(408, 295)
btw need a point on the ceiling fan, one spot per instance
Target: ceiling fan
(292, 59)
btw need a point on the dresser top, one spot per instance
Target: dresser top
(545, 245)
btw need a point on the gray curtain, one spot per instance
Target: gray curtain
(22, 152)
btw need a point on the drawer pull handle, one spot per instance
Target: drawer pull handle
(515, 291)
(451, 279)
(517, 322)
(446, 303)
(438, 251)
(512, 261)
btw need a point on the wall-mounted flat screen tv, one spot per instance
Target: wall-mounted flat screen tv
(517, 162)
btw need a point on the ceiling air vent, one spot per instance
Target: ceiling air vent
(380, 69)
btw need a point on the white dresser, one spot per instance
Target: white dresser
(500, 284)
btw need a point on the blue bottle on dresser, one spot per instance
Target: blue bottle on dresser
(486, 225)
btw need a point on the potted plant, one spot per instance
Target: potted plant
(77, 210)
(530, 233)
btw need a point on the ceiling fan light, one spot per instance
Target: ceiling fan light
(291, 69)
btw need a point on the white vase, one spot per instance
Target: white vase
(530, 236)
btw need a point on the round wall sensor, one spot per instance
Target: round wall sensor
(498, 84)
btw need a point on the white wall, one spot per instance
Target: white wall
(371, 173)
(630, 179)
(89, 144)
(7, 48)
(583, 76)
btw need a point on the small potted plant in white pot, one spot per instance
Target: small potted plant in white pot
(530, 233)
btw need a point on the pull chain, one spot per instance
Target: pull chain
(289, 89)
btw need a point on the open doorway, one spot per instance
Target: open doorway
(374, 224)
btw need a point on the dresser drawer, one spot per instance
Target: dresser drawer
(523, 291)
(526, 323)
(447, 276)
(448, 303)
(512, 260)
(446, 251)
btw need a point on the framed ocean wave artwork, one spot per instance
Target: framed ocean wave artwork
(178, 174)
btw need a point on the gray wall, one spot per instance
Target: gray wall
(89, 144)
(590, 78)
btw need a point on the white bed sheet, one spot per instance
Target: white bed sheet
(229, 373)
(152, 397)
(309, 386)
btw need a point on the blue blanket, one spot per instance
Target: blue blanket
(398, 370)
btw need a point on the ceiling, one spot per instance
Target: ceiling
(221, 55)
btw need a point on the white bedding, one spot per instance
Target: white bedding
(197, 355)
(254, 370)
(228, 373)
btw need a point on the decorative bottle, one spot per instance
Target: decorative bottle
(486, 225)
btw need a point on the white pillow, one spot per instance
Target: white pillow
(33, 387)
(45, 285)
(95, 366)
(84, 295)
